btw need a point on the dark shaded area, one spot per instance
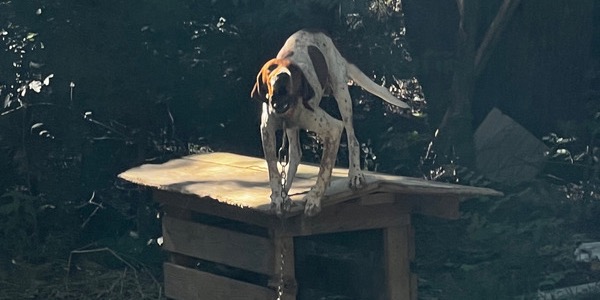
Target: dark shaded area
(344, 265)
(92, 88)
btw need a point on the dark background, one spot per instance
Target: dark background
(145, 81)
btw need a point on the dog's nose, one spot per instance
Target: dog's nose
(280, 107)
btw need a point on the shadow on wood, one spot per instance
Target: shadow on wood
(221, 235)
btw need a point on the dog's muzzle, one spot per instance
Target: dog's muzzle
(281, 100)
(281, 106)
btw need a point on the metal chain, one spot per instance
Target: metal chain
(281, 284)
(283, 183)
(283, 162)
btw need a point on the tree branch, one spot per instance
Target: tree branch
(492, 36)
(460, 4)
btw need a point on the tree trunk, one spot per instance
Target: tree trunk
(456, 128)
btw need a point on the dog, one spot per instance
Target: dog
(291, 86)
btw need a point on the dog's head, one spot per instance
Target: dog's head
(282, 85)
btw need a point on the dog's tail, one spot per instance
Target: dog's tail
(366, 83)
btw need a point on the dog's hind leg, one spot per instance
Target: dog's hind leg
(355, 174)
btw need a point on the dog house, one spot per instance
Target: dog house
(224, 243)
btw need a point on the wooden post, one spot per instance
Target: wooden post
(398, 249)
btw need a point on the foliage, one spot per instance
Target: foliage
(507, 247)
(575, 162)
(92, 88)
(18, 220)
(524, 241)
(89, 281)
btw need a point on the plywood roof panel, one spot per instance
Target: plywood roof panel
(243, 181)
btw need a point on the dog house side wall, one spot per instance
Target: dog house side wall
(218, 245)
(191, 243)
(188, 284)
(186, 239)
(234, 188)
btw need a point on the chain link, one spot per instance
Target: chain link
(283, 162)
(281, 284)
(283, 183)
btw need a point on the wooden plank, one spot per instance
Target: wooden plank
(445, 207)
(417, 186)
(244, 251)
(214, 207)
(284, 280)
(177, 212)
(183, 283)
(397, 262)
(346, 217)
(414, 283)
(377, 198)
(442, 206)
(412, 252)
(243, 181)
(414, 279)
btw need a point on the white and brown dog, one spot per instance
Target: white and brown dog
(291, 87)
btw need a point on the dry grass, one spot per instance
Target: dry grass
(83, 279)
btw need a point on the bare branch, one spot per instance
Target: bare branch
(461, 13)
(492, 36)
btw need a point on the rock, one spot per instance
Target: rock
(505, 151)
(587, 252)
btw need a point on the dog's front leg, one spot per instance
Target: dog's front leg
(268, 127)
(329, 130)
(295, 154)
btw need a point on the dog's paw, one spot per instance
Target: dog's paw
(279, 205)
(357, 180)
(312, 204)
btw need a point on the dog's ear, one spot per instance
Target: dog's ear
(301, 85)
(259, 91)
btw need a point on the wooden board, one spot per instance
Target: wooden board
(183, 283)
(347, 217)
(243, 181)
(397, 245)
(192, 203)
(244, 251)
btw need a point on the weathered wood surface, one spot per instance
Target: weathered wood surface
(243, 181)
(218, 245)
(347, 217)
(188, 284)
(397, 247)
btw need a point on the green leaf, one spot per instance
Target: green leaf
(468, 268)
(31, 36)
